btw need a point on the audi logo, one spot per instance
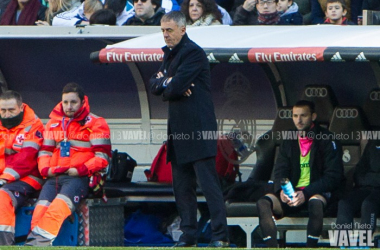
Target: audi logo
(316, 92)
(285, 114)
(374, 96)
(346, 113)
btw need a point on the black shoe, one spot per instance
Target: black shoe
(219, 243)
(184, 244)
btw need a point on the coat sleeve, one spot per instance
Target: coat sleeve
(156, 84)
(46, 151)
(188, 70)
(101, 146)
(26, 160)
(317, 15)
(332, 174)
(241, 16)
(297, 19)
(282, 167)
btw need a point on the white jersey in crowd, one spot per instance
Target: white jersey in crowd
(76, 15)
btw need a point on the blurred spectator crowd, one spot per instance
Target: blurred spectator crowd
(198, 12)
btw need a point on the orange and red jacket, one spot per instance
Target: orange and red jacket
(19, 148)
(89, 138)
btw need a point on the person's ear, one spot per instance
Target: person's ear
(183, 30)
(22, 107)
(313, 117)
(344, 12)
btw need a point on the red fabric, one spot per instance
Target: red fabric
(45, 172)
(96, 184)
(305, 145)
(82, 170)
(60, 170)
(82, 113)
(225, 158)
(27, 16)
(83, 127)
(269, 18)
(23, 159)
(344, 21)
(160, 171)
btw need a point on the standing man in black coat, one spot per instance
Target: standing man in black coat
(184, 80)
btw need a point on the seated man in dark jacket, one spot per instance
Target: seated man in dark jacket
(365, 196)
(147, 12)
(312, 161)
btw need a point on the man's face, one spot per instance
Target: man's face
(9, 108)
(71, 103)
(144, 9)
(172, 33)
(335, 11)
(266, 6)
(303, 118)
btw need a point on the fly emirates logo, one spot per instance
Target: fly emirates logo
(284, 55)
(122, 56)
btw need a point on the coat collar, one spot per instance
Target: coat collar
(81, 114)
(175, 50)
(29, 116)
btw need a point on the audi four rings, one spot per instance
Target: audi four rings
(346, 113)
(316, 92)
(285, 114)
(375, 96)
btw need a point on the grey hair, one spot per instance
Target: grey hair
(11, 94)
(177, 16)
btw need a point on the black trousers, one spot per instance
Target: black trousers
(184, 184)
(365, 201)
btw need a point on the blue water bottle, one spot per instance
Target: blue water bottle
(287, 187)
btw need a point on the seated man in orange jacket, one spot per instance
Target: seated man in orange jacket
(76, 145)
(20, 139)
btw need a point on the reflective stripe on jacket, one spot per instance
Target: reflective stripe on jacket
(19, 148)
(89, 138)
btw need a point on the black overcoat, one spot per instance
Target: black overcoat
(191, 123)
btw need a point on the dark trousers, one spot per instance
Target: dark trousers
(184, 184)
(270, 206)
(75, 188)
(21, 192)
(366, 201)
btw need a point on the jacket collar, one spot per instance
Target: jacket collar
(175, 50)
(29, 115)
(82, 113)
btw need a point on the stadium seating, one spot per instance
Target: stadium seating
(324, 100)
(371, 108)
(346, 123)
